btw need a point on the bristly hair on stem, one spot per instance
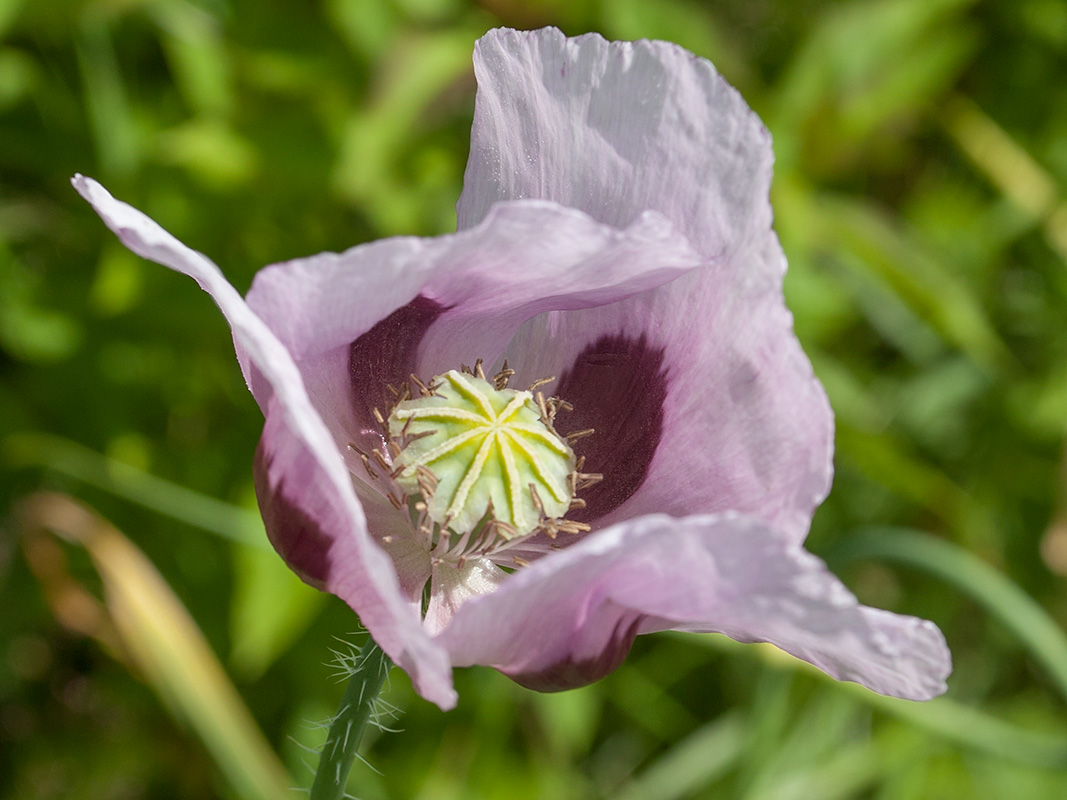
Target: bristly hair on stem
(367, 669)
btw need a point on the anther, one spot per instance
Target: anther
(507, 532)
(368, 467)
(426, 475)
(567, 526)
(540, 398)
(537, 500)
(427, 482)
(478, 371)
(414, 437)
(540, 382)
(587, 479)
(424, 390)
(500, 380)
(553, 409)
(574, 436)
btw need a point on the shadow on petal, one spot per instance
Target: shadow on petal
(617, 386)
(385, 355)
(571, 673)
(297, 537)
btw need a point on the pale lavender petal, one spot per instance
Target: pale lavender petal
(309, 504)
(615, 129)
(392, 531)
(363, 319)
(570, 619)
(453, 585)
(707, 391)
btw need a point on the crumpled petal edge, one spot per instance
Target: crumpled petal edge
(722, 573)
(390, 619)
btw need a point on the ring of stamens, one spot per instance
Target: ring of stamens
(478, 466)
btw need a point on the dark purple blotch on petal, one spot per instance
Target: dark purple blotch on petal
(570, 674)
(385, 355)
(299, 540)
(617, 386)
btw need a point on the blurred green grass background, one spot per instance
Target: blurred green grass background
(919, 193)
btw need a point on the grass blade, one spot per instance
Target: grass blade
(167, 645)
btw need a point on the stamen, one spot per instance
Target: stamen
(586, 479)
(569, 526)
(368, 467)
(537, 500)
(507, 532)
(540, 382)
(574, 436)
(483, 445)
(409, 438)
(424, 390)
(500, 380)
(427, 482)
(545, 417)
(478, 467)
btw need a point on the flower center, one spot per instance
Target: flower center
(479, 466)
(486, 452)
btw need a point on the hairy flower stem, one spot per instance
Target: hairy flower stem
(346, 730)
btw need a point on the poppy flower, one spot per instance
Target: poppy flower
(582, 417)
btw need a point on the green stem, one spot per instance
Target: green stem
(346, 730)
